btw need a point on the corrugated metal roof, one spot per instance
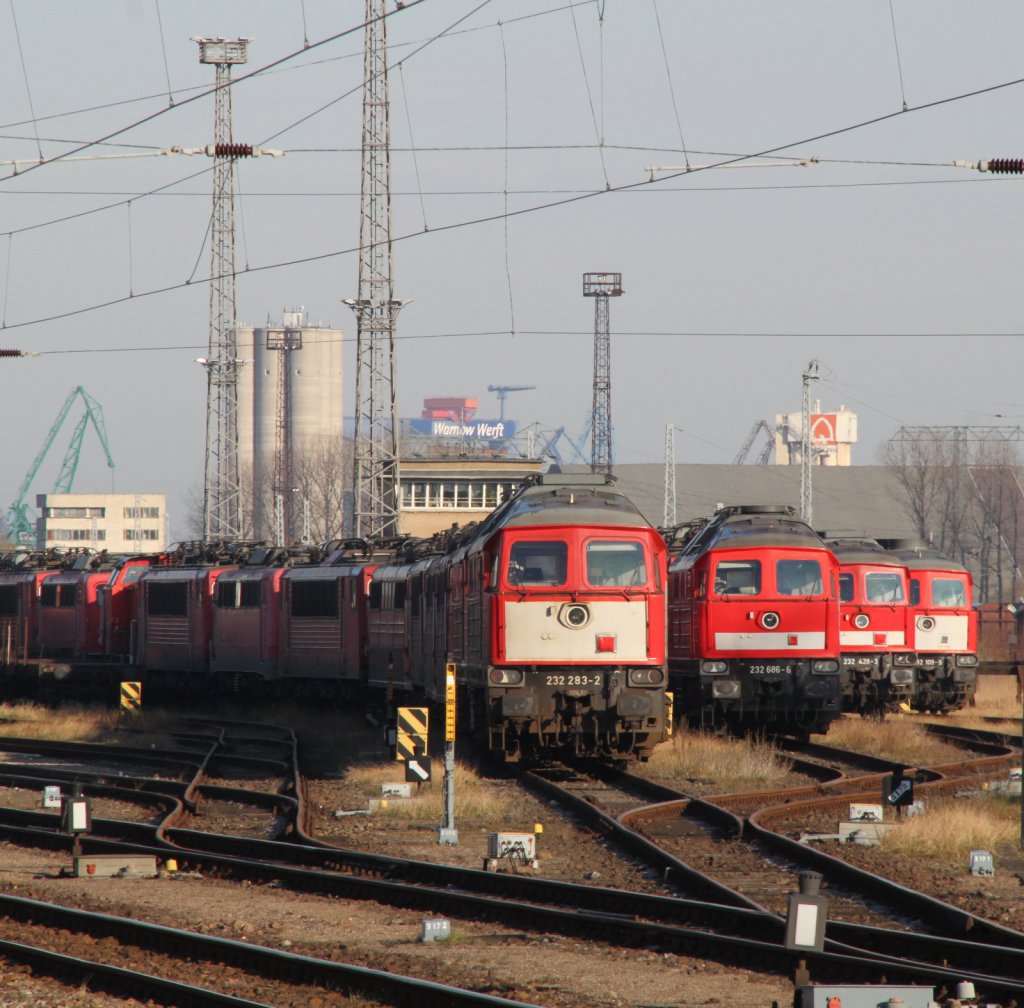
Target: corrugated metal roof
(865, 498)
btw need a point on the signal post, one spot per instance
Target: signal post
(447, 834)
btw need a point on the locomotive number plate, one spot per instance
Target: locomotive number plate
(769, 670)
(574, 680)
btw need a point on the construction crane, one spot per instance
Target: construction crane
(762, 459)
(19, 529)
(503, 391)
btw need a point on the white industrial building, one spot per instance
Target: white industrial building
(118, 523)
(833, 436)
(289, 400)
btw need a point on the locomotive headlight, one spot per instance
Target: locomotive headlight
(967, 659)
(714, 667)
(862, 621)
(825, 665)
(925, 622)
(645, 677)
(574, 616)
(506, 677)
(770, 620)
(904, 658)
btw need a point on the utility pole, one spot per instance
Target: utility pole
(284, 341)
(806, 443)
(222, 497)
(670, 476)
(376, 474)
(602, 286)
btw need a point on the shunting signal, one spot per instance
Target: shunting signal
(411, 738)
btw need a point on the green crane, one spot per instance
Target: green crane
(16, 522)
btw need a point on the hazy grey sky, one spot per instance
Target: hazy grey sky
(894, 269)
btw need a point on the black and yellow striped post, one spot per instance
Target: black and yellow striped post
(131, 697)
(447, 834)
(411, 738)
(670, 713)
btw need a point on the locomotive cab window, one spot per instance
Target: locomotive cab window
(798, 577)
(915, 591)
(167, 598)
(618, 564)
(845, 587)
(882, 587)
(738, 577)
(948, 593)
(537, 563)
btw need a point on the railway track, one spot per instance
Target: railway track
(717, 922)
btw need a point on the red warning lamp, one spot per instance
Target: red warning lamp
(792, 639)
(606, 643)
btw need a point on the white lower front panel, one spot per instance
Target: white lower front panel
(534, 632)
(807, 640)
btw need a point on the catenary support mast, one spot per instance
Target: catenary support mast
(376, 472)
(222, 497)
(602, 286)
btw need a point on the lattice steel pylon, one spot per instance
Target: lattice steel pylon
(602, 286)
(222, 493)
(375, 502)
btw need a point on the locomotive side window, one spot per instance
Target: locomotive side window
(537, 563)
(738, 577)
(948, 593)
(883, 587)
(616, 564)
(168, 598)
(798, 577)
(8, 600)
(68, 594)
(48, 595)
(311, 599)
(845, 587)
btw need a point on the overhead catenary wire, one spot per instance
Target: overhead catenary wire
(550, 204)
(505, 222)
(590, 96)
(163, 49)
(412, 144)
(671, 88)
(899, 63)
(24, 74)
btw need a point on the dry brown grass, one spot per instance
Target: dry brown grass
(949, 829)
(725, 763)
(83, 724)
(995, 697)
(899, 737)
(475, 796)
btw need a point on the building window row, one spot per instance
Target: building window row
(76, 512)
(76, 535)
(142, 512)
(133, 534)
(462, 494)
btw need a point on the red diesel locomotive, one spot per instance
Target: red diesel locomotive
(754, 622)
(553, 611)
(944, 626)
(877, 660)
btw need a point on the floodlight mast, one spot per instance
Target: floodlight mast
(222, 494)
(375, 504)
(602, 286)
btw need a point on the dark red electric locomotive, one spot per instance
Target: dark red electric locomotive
(754, 622)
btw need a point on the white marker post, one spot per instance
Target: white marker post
(447, 834)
